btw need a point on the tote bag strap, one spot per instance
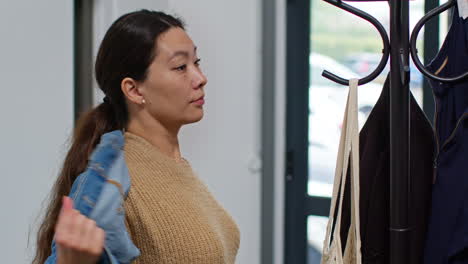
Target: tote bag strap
(355, 221)
(352, 253)
(344, 149)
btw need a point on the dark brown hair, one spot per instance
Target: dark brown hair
(127, 50)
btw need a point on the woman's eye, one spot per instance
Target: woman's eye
(197, 62)
(181, 68)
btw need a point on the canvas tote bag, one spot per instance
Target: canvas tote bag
(348, 148)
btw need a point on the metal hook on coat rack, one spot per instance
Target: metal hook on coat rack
(385, 40)
(414, 50)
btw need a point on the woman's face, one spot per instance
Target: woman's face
(174, 87)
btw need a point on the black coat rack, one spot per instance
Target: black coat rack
(397, 48)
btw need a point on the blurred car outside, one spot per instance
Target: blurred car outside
(327, 102)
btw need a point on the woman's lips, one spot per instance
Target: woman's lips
(200, 101)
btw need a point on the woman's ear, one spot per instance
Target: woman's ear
(131, 90)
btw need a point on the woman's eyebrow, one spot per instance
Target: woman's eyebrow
(182, 53)
(179, 53)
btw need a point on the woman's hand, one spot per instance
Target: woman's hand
(78, 238)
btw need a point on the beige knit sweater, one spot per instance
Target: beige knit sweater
(171, 215)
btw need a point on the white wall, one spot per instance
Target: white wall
(36, 110)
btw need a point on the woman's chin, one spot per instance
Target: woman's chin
(194, 118)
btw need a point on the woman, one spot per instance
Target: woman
(148, 69)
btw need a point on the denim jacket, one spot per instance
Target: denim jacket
(99, 192)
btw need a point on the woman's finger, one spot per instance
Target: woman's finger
(67, 203)
(99, 238)
(63, 221)
(89, 228)
(76, 226)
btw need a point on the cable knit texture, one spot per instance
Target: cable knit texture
(171, 216)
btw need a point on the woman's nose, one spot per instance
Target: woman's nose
(199, 79)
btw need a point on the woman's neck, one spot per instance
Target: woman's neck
(166, 140)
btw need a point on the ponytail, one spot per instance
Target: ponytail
(90, 127)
